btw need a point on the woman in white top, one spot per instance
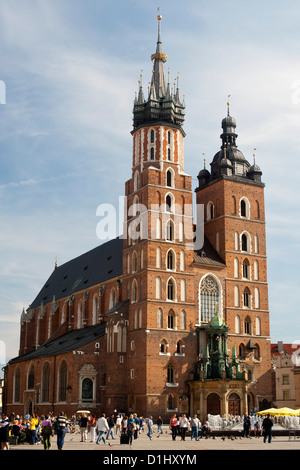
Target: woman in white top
(183, 424)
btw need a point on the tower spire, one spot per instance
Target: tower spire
(159, 58)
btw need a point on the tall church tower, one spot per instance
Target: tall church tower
(233, 197)
(157, 255)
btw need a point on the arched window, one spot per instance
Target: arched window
(30, 378)
(210, 211)
(152, 153)
(233, 205)
(136, 181)
(246, 269)
(209, 298)
(134, 291)
(152, 136)
(180, 347)
(171, 260)
(87, 389)
(182, 320)
(134, 262)
(17, 385)
(159, 318)
(45, 382)
(237, 324)
(171, 374)
(158, 288)
(236, 296)
(169, 203)
(182, 261)
(257, 326)
(236, 241)
(247, 326)
(257, 210)
(246, 297)
(245, 242)
(158, 257)
(182, 290)
(95, 309)
(80, 315)
(256, 270)
(244, 208)
(171, 405)
(62, 381)
(112, 298)
(169, 153)
(169, 179)
(169, 137)
(164, 347)
(170, 230)
(171, 291)
(256, 298)
(135, 206)
(236, 267)
(171, 320)
(158, 229)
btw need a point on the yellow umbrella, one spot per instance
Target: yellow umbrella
(287, 412)
(270, 411)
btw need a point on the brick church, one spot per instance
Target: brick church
(171, 317)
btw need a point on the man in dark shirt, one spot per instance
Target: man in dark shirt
(267, 428)
(60, 428)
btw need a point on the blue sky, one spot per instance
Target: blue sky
(71, 68)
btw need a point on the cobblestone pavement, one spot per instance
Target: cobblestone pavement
(163, 442)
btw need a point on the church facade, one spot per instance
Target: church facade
(172, 317)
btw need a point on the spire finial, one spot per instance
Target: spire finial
(204, 159)
(228, 104)
(254, 156)
(55, 265)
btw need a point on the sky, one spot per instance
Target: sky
(69, 71)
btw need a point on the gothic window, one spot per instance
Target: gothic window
(158, 288)
(256, 271)
(169, 137)
(209, 298)
(237, 324)
(95, 309)
(171, 374)
(136, 181)
(171, 405)
(17, 385)
(246, 269)
(236, 296)
(134, 291)
(169, 205)
(62, 381)
(134, 262)
(171, 320)
(257, 210)
(236, 267)
(112, 298)
(171, 260)
(152, 153)
(164, 347)
(245, 242)
(169, 179)
(30, 379)
(233, 205)
(210, 211)
(159, 318)
(170, 230)
(246, 297)
(169, 154)
(256, 297)
(182, 320)
(152, 135)
(256, 246)
(182, 261)
(45, 382)
(244, 208)
(171, 294)
(247, 326)
(183, 290)
(158, 257)
(257, 326)
(180, 347)
(236, 241)
(87, 389)
(80, 315)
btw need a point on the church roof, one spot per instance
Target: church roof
(207, 255)
(73, 340)
(89, 269)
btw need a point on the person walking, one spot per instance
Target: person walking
(111, 424)
(130, 428)
(173, 427)
(33, 426)
(46, 431)
(194, 427)
(267, 428)
(60, 427)
(83, 424)
(183, 423)
(102, 427)
(4, 432)
(159, 423)
(118, 424)
(150, 427)
(92, 426)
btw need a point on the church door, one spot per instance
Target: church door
(234, 404)
(213, 404)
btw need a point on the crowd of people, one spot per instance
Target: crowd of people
(38, 430)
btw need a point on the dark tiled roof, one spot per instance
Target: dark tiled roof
(98, 265)
(208, 255)
(70, 341)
